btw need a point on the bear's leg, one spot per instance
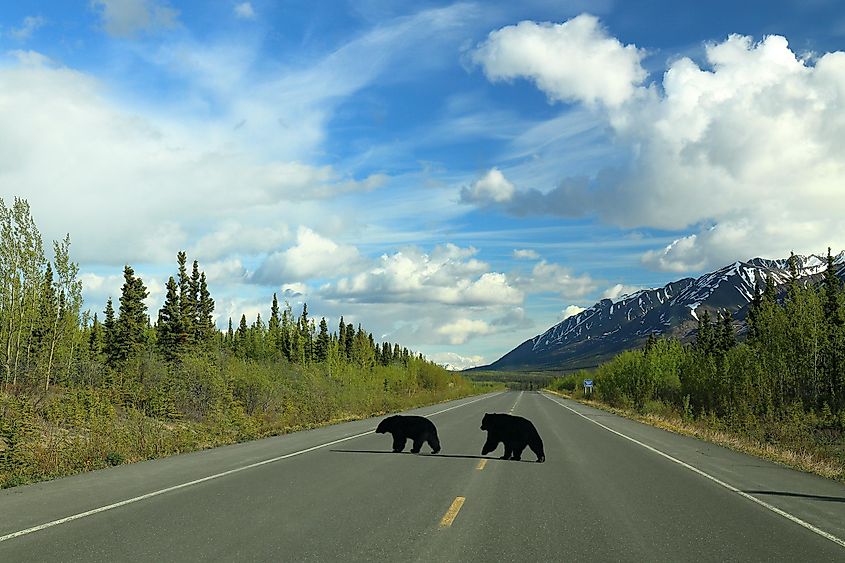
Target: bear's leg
(434, 442)
(398, 442)
(418, 442)
(518, 448)
(508, 450)
(537, 447)
(489, 446)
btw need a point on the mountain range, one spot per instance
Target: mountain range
(600, 332)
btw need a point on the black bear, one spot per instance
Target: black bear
(417, 428)
(516, 432)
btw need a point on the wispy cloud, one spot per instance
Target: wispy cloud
(29, 25)
(244, 11)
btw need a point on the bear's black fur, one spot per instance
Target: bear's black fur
(417, 428)
(516, 432)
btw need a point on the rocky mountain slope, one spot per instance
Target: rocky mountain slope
(609, 327)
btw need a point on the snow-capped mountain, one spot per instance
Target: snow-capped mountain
(608, 327)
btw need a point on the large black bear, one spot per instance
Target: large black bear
(516, 432)
(417, 428)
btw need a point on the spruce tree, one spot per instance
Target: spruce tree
(321, 348)
(727, 335)
(241, 338)
(169, 328)
(187, 301)
(48, 311)
(205, 329)
(341, 336)
(274, 328)
(350, 340)
(833, 312)
(770, 292)
(95, 338)
(132, 320)
(704, 340)
(110, 335)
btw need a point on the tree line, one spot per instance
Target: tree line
(81, 391)
(781, 380)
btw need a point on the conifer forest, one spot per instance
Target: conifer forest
(85, 389)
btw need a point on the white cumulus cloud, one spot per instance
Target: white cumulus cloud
(573, 61)
(549, 277)
(448, 275)
(461, 330)
(313, 256)
(456, 362)
(492, 187)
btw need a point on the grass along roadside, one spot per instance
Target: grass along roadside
(808, 462)
(45, 449)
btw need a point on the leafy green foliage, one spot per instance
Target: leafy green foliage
(785, 384)
(78, 395)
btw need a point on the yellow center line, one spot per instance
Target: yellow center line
(452, 513)
(481, 464)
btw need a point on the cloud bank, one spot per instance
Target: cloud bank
(742, 148)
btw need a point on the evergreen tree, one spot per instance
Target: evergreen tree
(205, 329)
(386, 355)
(350, 340)
(341, 336)
(274, 329)
(95, 344)
(287, 333)
(110, 335)
(48, 311)
(832, 287)
(169, 328)
(305, 335)
(727, 335)
(705, 340)
(132, 320)
(241, 337)
(753, 316)
(770, 292)
(187, 301)
(321, 348)
(230, 335)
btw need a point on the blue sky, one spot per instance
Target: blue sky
(456, 176)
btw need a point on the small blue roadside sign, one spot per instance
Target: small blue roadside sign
(588, 386)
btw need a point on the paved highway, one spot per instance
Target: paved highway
(610, 490)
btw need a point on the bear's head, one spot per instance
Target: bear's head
(485, 422)
(385, 425)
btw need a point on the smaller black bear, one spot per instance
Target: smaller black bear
(417, 428)
(516, 432)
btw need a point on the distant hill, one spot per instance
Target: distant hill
(609, 327)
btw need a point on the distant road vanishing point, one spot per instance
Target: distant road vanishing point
(610, 490)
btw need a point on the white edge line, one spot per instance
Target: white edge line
(716, 480)
(204, 479)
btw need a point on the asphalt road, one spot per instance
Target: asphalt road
(610, 490)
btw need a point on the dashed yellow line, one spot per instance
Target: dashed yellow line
(452, 513)
(481, 464)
